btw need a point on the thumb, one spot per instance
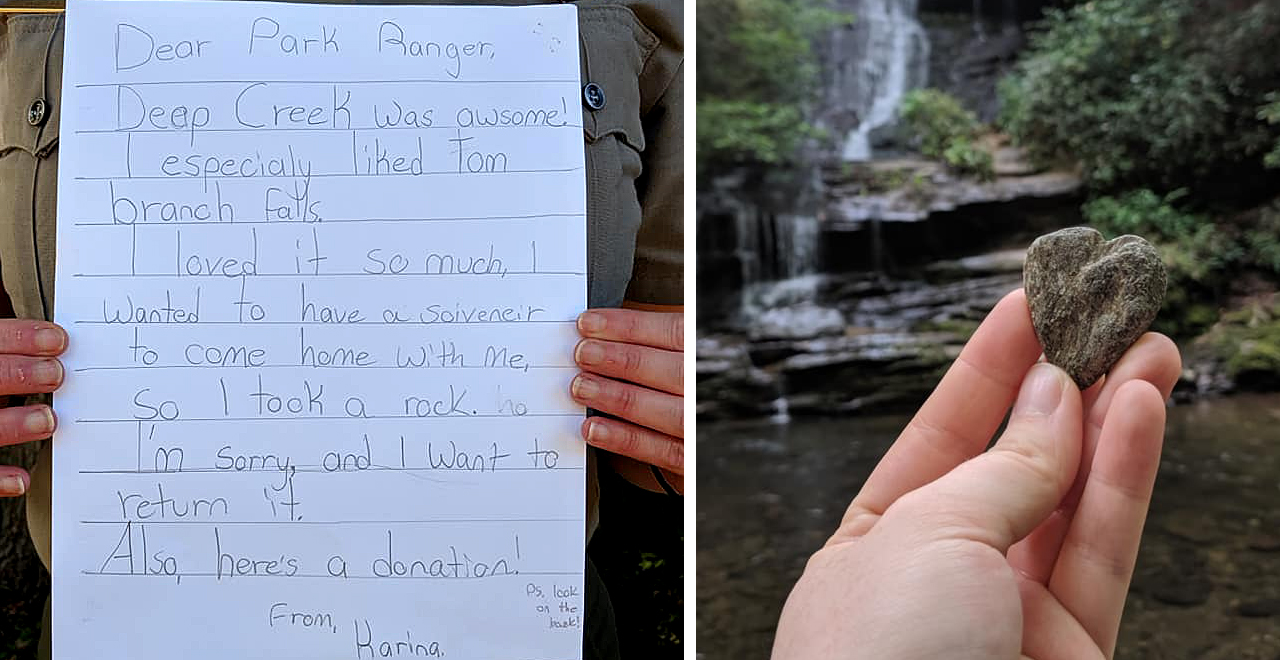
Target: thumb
(998, 497)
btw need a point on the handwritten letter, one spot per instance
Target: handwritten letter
(320, 266)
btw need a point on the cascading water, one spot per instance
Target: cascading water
(891, 58)
(772, 246)
(798, 244)
(793, 246)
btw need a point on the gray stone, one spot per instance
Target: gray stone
(1091, 298)
(1259, 607)
(1174, 575)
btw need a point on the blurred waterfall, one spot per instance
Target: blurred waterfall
(886, 56)
(798, 252)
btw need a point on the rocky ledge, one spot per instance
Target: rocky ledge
(853, 344)
(844, 344)
(912, 189)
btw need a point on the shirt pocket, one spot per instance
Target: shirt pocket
(615, 49)
(30, 91)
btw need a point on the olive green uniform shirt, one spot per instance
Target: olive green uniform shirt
(632, 49)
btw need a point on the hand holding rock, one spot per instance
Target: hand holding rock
(1091, 299)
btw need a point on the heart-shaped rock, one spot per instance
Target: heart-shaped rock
(1091, 298)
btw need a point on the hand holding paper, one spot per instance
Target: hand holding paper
(28, 365)
(634, 370)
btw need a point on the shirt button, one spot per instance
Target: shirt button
(36, 113)
(593, 94)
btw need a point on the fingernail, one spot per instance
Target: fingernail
(1041, 391)
(49, 340)
(40, 421)
(589, 353)
(585, 387)
(12, 485)
(47, 372)
(590, 322)
(597, 433)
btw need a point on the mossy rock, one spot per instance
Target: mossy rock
(1200, 316)
(962, 328)
(1256, 365)
(1248, 342)
(881, 181)
(1181, 316)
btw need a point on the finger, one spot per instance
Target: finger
(20, 374)
(959, 418)
(14, 481)
(1000, 496)
(1033, 557)
(644, 445)
(658, 329)
(1095, 564)
(651, 367)
(25, 424)
(1153, 358)
(1090, 394)
(30, 337)
(661, 412)
(1049, 632)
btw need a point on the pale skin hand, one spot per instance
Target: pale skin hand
(633, 368)
(1022, 551)
(28, 365)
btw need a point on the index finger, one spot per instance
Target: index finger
(31, 337)
(657, 329)
(961, 415)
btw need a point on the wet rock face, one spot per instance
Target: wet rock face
(1091, 298)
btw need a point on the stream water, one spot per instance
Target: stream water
(1207, 586)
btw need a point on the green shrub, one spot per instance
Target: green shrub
(936, 118)
(1172, 110)
(1197, 256)
(1194, 243)
(1262, 238)
(757, 75)
(746, 131)
(964, 156)
(944, 129)
(1161, 94)
(1270, 113)
(1145, 213)
(1202, 254)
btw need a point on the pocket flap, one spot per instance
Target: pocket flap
(29, 91)
(616, 47)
